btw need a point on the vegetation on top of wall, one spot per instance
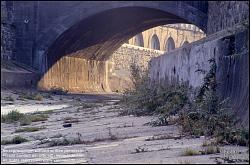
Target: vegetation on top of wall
(204, 114)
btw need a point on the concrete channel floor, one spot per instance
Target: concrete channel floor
(108, 137)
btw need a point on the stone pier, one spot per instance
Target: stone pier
(76, 75)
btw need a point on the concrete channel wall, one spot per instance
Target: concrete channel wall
(230, 50)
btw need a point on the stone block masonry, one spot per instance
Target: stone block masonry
(120, 61)
(127, 54)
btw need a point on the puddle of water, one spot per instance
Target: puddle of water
(31, 108)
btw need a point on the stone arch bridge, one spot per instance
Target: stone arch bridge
(70, 41)
(48, 31)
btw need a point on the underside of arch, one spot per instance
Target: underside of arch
(98, 36)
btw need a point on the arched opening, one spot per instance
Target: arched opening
(139, 40)
(170, 45)
(155, 43)
(185, 43)
(77, 58)
(93, 39)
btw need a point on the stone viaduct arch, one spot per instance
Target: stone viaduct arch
(178, 32)
(154, 42)
(139, 41)
(170, 44)
(185, 43)
(76, 28)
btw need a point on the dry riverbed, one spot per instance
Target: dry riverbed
(98, 134)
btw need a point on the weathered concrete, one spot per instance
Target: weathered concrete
(76, 75)
(232, 70)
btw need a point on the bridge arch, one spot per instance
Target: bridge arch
(185, 43)
(94, 36)
(139, 41)
(170, 44)
(89, 15)
(154, 42)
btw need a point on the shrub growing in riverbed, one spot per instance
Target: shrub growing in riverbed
(12, 116)
(24, 119)
(58, 91)
(211, 149)
(31, 96)
(29, 129)
(8, 98)
(190, 152)
(145, 100)
(208, 115)
(39, 117)
(15, 140)
(204, 114)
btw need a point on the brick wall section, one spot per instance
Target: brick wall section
(224, 14)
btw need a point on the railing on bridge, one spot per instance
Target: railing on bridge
(184, 27)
